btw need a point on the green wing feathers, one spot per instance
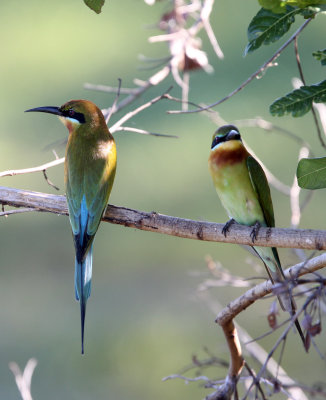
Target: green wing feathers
(260, 184)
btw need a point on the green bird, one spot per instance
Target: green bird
(90, 166)
(244, 192)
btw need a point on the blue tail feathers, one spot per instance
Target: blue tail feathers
(83, 280)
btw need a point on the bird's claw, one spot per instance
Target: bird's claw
(254, 232)
(227, 226)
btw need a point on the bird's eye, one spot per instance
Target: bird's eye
(71, 113)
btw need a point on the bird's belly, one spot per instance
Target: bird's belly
(237, 195)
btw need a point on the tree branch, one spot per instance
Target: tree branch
(266, 287)
(154, 222)
(39, 168)
(225, 320)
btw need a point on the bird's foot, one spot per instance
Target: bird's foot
(227, 226)
(255, 230)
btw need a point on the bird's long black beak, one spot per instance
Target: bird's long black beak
(48, 109)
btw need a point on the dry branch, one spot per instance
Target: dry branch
(264, 288)
(154, 222)
(225, 320)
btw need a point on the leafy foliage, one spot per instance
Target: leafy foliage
(299, 102)
(311, 173)
(267, 27)
(273, 21)
(279, 6)
(95, 5)
(320, 55)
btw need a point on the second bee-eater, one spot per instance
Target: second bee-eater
(244, 192)
(90, 166)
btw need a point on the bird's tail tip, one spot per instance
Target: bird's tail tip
(82, 322)
(83, 280)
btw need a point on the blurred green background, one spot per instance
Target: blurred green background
(145, 318)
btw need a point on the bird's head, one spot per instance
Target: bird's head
(75, 113)
(224, 134)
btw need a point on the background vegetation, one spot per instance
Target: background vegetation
(145, 318)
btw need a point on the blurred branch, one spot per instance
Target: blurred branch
(39, 168)
(24, 379)
(152, 81)
(266, 65)
(297, 57)
(186, 228)
(131, 114)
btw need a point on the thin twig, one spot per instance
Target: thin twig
(110, 89)
(114, 105)
(264, 288)
(50, 183)
(257, 351)
(39, 168)
(284, 334)
(297, 57)
(17, 211)
(268, 126)
(143, 132)
(254, 378)
(131, 114)
(152, 81)
(254, 75)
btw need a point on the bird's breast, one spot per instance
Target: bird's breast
(228, 153)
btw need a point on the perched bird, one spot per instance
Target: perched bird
(90, 166)
(244, 192)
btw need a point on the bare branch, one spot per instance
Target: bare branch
(186, 228)
(131, 114)
(143, 132)
(40, 168)
(24, 380)
(110, 89)
(258, 353)
(17, 211)
(266, 65)
(264, 288)
(114, 105)
(152, 81)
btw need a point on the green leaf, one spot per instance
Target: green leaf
(311, 173)
(276, 6)
(320, 55)
(299, 102)
(267, 27)
(95, 5)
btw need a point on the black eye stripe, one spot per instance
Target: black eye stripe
(225, 138)
(74, 114)
(217, 140)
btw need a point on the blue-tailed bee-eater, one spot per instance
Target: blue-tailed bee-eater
(90, 166)
(244, 192)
